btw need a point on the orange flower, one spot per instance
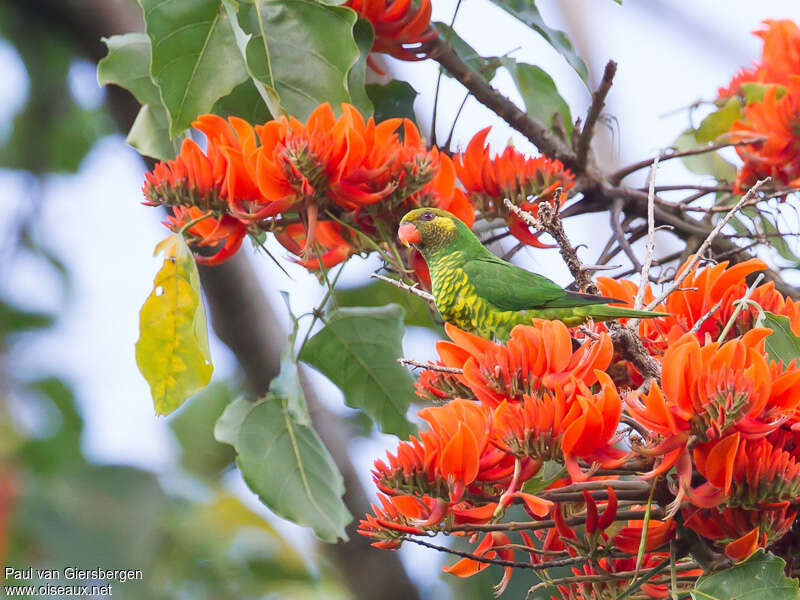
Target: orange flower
(715, 394)
(525, 181)
(551, 426)
(734, 527)
(331, 246)
(452, 456)
(398, 24)
(704, 288)
(536, 356)
(771, 300)
(780, 57)
(615, 587)
(759, 476)
(659, 533)
(227, 233)
(393, 519)
(776, 119)
(468, 567)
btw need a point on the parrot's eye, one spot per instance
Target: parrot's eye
(427, 216)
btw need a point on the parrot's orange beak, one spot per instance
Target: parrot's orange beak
(408, 234)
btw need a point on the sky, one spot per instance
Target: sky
(670, 53)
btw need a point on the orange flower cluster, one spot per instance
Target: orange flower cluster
(319, 186)
(770, 95)
(717, 439)
(400, 26)
(524, 181)
(780, 58)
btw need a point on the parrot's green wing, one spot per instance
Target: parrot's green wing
(509, 287)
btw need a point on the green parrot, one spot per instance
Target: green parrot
(481, 293)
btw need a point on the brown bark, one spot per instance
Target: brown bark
(240, 314)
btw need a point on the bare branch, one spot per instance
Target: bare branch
(537, 132)
(598, 103)
(651, 234)
(429, 366)
(699, 323)
(550, 564)
(618, 176)
(413, 289)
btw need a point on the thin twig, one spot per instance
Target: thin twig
(533, 129)
(651, 235)
(622, 173)
(623, 515)
(404, 286)
(430, 366)
(614, 215)
(550, 564)
(699, 323)
(601, 578)
(751, 193)
(739, 306)
(598, 103)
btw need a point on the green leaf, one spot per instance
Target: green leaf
(172, 351)
(193, 426)
(302, 49)
(59, 451)
(127, 65)
(485, 66)
(356, 78)
(378, 293)
(760, 577)
(358, 350)
(244, 102)
(51, 132)
(777, 241)
(15, 320)
(539, 92)
(782, 344)
(708, 163)
(195, 58)
(149, 134)
(395, 99)
(526, 11)
(720, 121)
(286, 464)
(550, 472)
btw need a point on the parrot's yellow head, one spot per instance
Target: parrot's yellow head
(430, 229)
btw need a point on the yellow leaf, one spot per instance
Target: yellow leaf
(172, 351)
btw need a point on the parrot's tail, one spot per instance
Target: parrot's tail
(603, 312)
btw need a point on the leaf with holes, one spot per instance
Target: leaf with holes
(172, 350)
(358, 350)
(195, 58)
(760, 577)
(539, 92)
(286, 464)
(302, 49)
(526, 11)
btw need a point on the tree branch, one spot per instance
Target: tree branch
(438, 50)
(598, 103)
